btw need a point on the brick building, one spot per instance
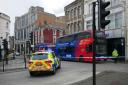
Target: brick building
(33, 21)
(47, 35)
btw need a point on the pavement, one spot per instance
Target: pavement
(102, 78)
(106, 78)
(13, 64)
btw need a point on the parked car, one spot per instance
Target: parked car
(43, 62)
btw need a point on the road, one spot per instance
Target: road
(69, 73)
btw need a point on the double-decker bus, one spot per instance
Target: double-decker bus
(78, 46)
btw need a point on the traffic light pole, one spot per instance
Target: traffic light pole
(102, 22)
(25, 60)
(94, 49)
(3, 65)
(98, 1)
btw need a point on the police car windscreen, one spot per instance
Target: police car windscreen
(40, 56)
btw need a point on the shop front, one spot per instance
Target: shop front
(115, 40)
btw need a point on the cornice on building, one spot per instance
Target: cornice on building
(74, 3)
(5, 17)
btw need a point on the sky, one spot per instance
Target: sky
(15, 8)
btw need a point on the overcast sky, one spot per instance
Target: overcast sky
(15, 8)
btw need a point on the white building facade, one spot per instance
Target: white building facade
(23, 26)
(4, 27)
(116, 30)
(4, 31)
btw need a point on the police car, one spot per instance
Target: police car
(43, 61)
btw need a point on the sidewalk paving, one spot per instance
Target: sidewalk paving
(106, 78)
(13, 64)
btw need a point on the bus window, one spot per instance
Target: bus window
(69, 49)
(83, 35)
(89, 48)
(66, 39)
(60, 50)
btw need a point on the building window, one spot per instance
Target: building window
(7, 25)
(111, 25)
(54, 39)
(79, 10)
(89, 25)
(25, 33)
(80, 26)
(115, 2)
(118, 20)
(54, 32)
(33, 17)
(23, 20)
(75, 27)
(72, 13)
(90, 8)
(19, 35)
(68, 28)
(60, 33)
(72, 30)
(22, 34)
(16, 36)
(45, 22)
(68, 15)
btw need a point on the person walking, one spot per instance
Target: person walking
(115, 55)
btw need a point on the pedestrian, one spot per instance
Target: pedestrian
(115, 55)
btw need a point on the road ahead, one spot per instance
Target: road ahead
(69, 73)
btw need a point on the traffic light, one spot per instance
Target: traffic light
(5, 44)
(31, 37)
(103, 13)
